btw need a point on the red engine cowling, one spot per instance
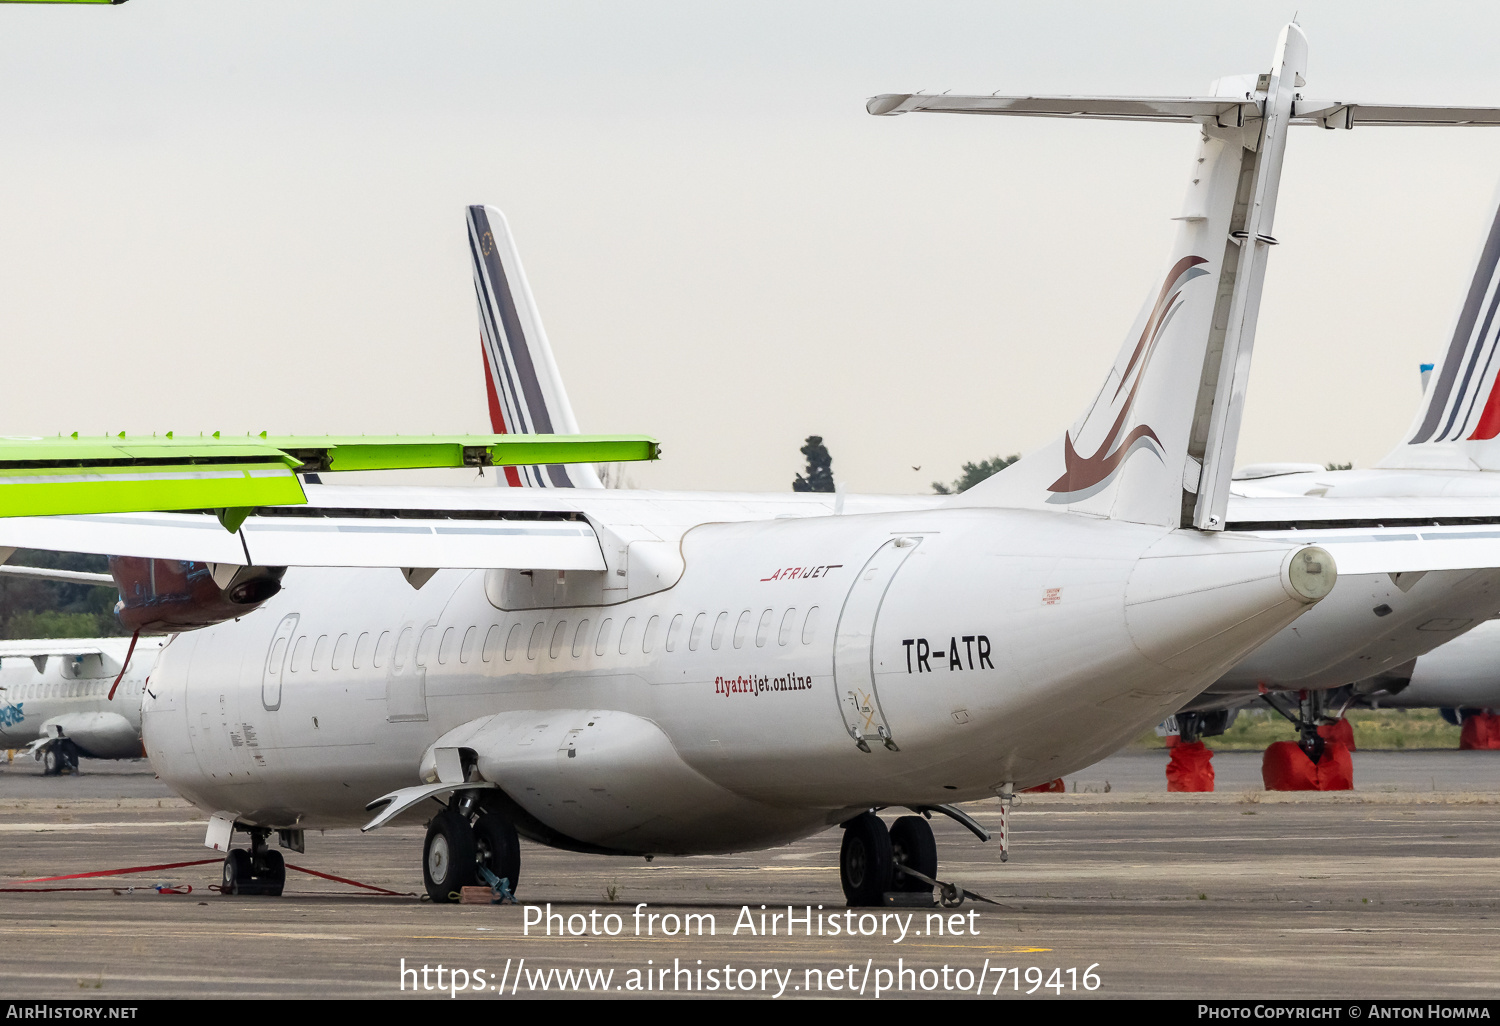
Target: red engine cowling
(171, 595)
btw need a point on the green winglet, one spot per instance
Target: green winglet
(124, 474)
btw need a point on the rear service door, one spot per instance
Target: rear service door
(853, 646)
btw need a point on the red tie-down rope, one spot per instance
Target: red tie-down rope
(128, 653)
(169, 890)
(105, 872)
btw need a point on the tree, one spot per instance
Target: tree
(34, 608)
(1338, 466)
(819, 467)
(973, 473)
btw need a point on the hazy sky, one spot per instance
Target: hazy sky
(248, 215)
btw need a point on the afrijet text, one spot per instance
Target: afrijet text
(755, 685)
(10, 715)
(968, 652)
(797, 573)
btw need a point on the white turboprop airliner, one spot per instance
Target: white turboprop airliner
(54, 698)
(662, 673)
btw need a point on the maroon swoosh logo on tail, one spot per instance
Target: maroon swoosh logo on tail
(1080, 472)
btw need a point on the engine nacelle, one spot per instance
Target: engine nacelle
(171, 595)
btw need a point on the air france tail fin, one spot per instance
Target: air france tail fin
(1156, 446)
(1457, 426)
(525, 390)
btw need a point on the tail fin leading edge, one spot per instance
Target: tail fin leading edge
(524, 388)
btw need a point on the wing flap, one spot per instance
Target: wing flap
(467, 544)
(392, 538)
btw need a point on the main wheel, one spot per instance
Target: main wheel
(237, 873)
(912, 845)
(449, 858)
(499, 849)
(865, 862)
(52, 761)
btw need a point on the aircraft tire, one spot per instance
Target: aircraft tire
(912, 844)
(449, 857)
(237, 873)
(499, 848)
(272, 875)
(865, 861)
(51, 761)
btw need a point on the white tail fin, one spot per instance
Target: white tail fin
(1157, 444)
(525, 390)
(1458, 424)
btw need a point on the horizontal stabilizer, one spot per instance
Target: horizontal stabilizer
(1209, 110)
(1224, 111)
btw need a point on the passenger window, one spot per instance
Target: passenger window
(534, 643)
(557, 638)
(603, 641)
(445, 647)
(361, 651)
(741, 628)
(695, 636)
(320, 650)
(810, 626)
(467, 648)
(340, 652)
(648, 639)
(403, 647)
(788, 621)
(580, 638)
(299, 653)
(492, 643)
(674, 634)
(512, 642)
(763, 630)
(627, 635)
(717, 638)
(424, 646)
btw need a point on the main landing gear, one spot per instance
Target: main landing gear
(259, 870)
(468, 846)
(58, 758)
(874, 861)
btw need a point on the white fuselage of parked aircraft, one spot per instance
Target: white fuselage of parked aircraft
(773, 675)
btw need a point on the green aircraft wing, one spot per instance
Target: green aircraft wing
(126, 474)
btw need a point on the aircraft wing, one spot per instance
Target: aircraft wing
(118, 473)
(56, 647)
(325, 536)
(1393, 534)
(49, 574)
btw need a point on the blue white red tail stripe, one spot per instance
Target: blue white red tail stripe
(522, 385)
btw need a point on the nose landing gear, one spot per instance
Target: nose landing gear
(467, 846)
(259, 870)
